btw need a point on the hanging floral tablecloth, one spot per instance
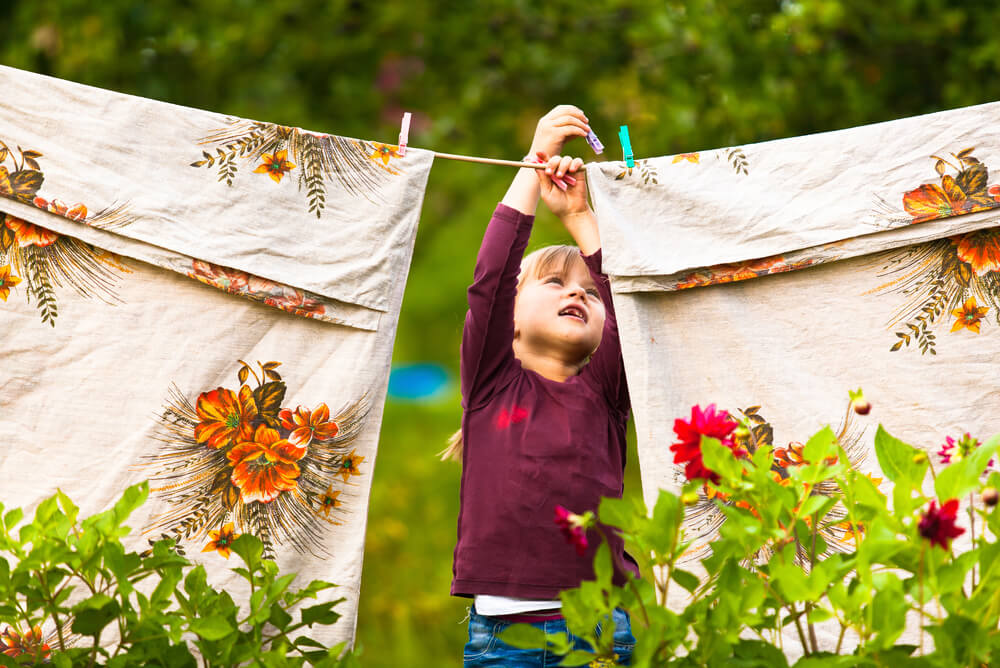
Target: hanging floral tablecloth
(202, 301)
(770, 279)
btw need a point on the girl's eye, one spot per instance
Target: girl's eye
(554, 279)
(594, 293)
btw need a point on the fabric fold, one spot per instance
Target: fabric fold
(245, 195)
(740, 212)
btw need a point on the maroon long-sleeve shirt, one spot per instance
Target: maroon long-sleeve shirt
(531, 443)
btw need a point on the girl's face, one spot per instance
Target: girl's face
(559, 313)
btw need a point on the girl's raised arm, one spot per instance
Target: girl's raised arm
(489, 323)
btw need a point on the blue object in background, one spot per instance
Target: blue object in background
(423, 381)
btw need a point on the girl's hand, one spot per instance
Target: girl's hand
(563, 185)
(558, 126)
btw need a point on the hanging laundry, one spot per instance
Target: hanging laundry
(770, 279)
(206, 302)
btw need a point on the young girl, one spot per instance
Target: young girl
(545, 409)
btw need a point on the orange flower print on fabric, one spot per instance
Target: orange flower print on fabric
(7, 281)
(226, 417)
(969, 316)
(739, 271)
(221, 541)
(230, 280)
(76, 212)
(14, 644)
(384, 152)
(852, 532)
(980, 249)
(266, 466)
(328, 500)
(275, 166)
(966, 192)
(690, 157)
(294, 301)
(350, 465)
(305, 425)
(28, 234)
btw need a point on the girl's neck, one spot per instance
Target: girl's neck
(548, 367)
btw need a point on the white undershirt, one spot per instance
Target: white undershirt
(491, 606)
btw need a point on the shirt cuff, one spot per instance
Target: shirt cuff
(512, 216)
(593, 261)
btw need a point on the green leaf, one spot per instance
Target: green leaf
(603, 569)
(821, 445)
(621, 513)
(685, 579)
(133, 497)
(306, 641)
(903, 464)
(661, 532)
(577, 657)
(524, 636)
(321, 614)
(12, 518)
(212, 627)
(817, 615)
(757, 654)
(93, 614)
(279, 617)
(720, 459)
(249, 548)
(817, 504)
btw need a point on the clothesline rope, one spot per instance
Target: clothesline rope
(489, 161)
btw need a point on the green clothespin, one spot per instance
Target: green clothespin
(626, 146)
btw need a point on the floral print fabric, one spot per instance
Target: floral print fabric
(207, 303)
(771, 279)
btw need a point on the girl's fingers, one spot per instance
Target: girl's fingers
(566, 109)
(564, 165)
(567, 122)
(576, 165)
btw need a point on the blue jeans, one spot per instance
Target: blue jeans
(486, 649)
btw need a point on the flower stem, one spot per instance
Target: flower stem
(972, 536)
(630, 580)
(920, 579)
(798, 627)
(812, 564)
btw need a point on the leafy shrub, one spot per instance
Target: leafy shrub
(76, 577)
(772, 566)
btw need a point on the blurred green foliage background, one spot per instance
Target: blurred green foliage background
(684, 75)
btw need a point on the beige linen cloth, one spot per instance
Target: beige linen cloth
(206, 302)
(775, 277)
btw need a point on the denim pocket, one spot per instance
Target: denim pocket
(624, 640)
(482, 637)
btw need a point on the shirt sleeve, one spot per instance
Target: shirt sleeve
(606, 366)
(488, 337)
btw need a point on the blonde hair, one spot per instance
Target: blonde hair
(536, 263)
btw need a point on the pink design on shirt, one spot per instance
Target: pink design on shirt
(505, 419)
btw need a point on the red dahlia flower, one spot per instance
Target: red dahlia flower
(938, 525)
(687, 451)
(574, 528)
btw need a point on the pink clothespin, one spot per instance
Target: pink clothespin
(404, 134)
